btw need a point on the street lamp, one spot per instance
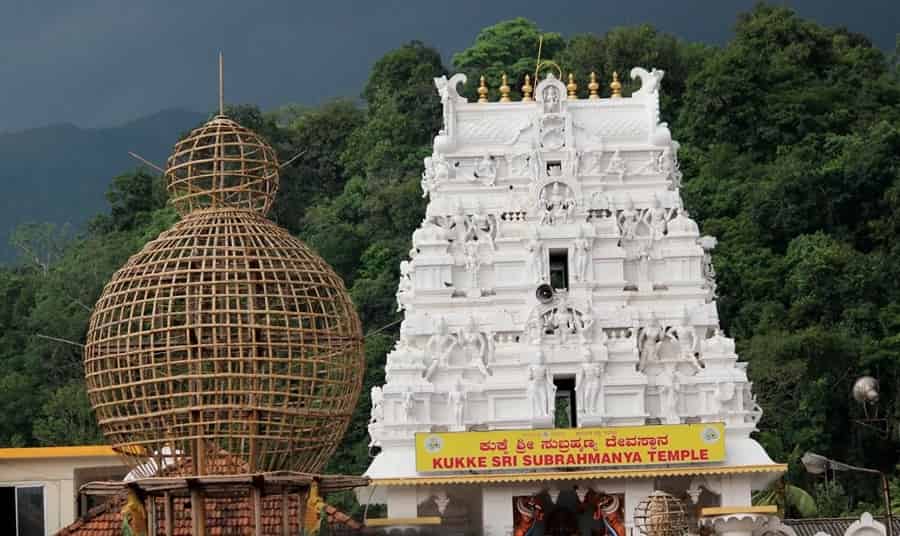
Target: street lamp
(817, 464)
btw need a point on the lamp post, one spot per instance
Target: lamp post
(817, 464)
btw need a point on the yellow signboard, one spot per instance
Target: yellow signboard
(570, 447)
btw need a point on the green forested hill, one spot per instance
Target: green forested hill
(791, 153)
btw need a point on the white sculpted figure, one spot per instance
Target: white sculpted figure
(457, 402)
(473, 261)
(551, 100)
(520, 165)
(428, 180)
(651, 338)
(644, 275)
(482, 227)
(582, 247)
(586, 325)
(486, 169)
(564, 321)
(656, 219)
(669, 387)
(535, 257)
(474, 346)
(377, 398)
(685, 335)
(439, 347)
(460, 226)
(535, 329)
(541, 391)
(405, 288)
(629, 219)
(429, 233)
(589, 385)
(408, 404)
(617, 166)
(668, 166)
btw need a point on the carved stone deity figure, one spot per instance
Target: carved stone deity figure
(535, 251)
(439, 347)
(644, 275)
(486, 170)
(589, 385)
(668, 166)
(473, 261)
(650, 339)
(600, 202)
(474, 346)
(629, 219)
(656, 219)
(685, 335)
(582, 250)
(460, 226)
(377, 398)
(541, 391)
(683, 225)
(456, 399)
(564, 321)
(405, 287)
(617, 166)
(535, 329)
(408, 405)
(723, 396)
(482, 227)
(428, 182)
(553, 205)
(669, 387)
(551, 100)
(519, 165)
(586, 325)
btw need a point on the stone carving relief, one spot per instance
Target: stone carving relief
(456, 400)
(475, 345)
(557, 204)
(582, 247)
(537, 271)
(439, 347)
(405, 287)
(589, 385)
(617, 167)
(541, 391)
(486, 170)
(377, 398)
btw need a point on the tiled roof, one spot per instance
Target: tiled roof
(835, 526)
(230, 516)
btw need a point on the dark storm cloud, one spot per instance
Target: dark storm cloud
(104, 62)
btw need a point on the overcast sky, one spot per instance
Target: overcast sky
(104, 62)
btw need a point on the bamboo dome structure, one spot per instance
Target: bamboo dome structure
(225, 346)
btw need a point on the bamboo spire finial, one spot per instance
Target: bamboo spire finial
(594, 86)
(526, 89)
(572, 87)
(504, 89)
(221, 85)
(482, 90)
(616, 86)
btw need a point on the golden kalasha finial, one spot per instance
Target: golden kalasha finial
(616, 86)
(482, 90)
(526, 89)
(593, 87)
(572, 87)
(504, 89)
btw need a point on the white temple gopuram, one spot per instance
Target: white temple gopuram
(560, 359)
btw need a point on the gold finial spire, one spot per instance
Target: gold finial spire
(482, 90)
(504, 89)
(594, 86)
(572, 87)
(221, 86)
(616, 86)
(526, 89)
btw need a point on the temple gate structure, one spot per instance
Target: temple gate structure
(560, 358)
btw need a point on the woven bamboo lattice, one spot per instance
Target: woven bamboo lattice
(225, 346)
(222, 164)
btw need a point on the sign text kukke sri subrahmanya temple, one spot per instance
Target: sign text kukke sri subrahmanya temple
(574, 447)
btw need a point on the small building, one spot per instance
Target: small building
(561, 358)
(39, 486)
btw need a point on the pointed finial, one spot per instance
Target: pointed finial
(593, 87)
(616, 86)
(526, 89)
(572, 87)
(482, 90)
(221, 85)
(504, 89)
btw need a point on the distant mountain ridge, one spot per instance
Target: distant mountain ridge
(60, 173)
